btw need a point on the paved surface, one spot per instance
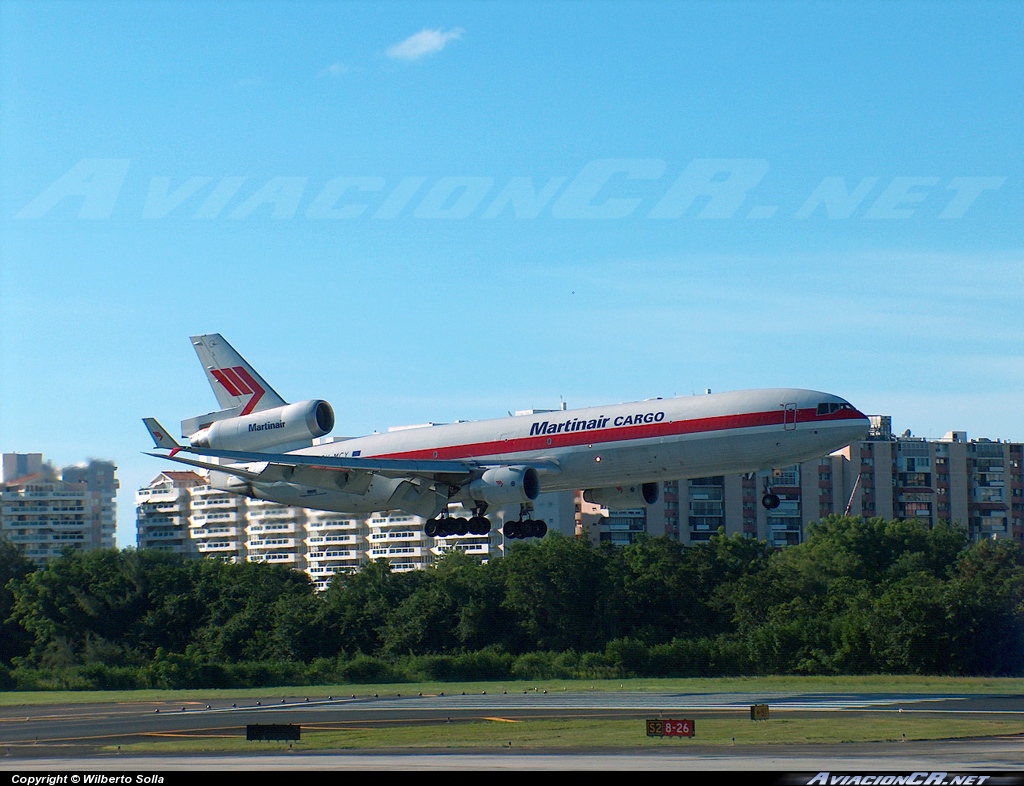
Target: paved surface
(969, 756)
(71, 736)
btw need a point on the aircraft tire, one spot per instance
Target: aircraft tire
(771, 501)
(430, 528)
(511, 530)
(542, 529)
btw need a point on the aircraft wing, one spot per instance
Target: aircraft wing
(237, 471)
(326, 471)
(384, 466)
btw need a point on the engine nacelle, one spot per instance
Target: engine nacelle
(279, 426)
(506, 485)
(637, 494)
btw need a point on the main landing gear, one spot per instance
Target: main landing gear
(525, 528)
(768, 500)
(447, 526)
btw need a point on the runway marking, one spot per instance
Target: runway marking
(503, 720)
(188, 736)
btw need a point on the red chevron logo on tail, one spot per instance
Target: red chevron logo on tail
(239, 382)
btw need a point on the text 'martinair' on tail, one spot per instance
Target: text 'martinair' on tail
(234, 381)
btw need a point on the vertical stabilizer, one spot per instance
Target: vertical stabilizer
(235, 383)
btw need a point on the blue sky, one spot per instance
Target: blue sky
(432, 211)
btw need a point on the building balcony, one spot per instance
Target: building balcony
(274, 557)
(271, 543)
(346, 555)
(274, 529)
(216, 546)
(393, 536)
(474, 549)
(161, 534)
(395, 551)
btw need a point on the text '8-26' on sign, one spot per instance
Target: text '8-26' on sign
(670, 728)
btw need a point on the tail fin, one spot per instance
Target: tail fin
(235, 383)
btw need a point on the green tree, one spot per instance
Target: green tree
(985, 606)
(358, 606)
(14, 566)
(457, 607)
(559, 593)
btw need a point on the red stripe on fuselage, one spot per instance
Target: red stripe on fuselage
(622, 434)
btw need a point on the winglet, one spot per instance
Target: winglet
(160, 436)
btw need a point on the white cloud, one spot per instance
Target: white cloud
(334, 70)
(425, 42)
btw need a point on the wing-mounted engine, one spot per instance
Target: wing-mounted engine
(292, 423)
(637, 494)
(505, 485)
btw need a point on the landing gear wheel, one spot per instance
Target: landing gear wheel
(511, 529)
(430, 528)
(542, 529)
(461, 527)
(771, 501)
(479, 525)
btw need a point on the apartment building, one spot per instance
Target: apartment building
(977, 483)
(181, 512)
(45, 511)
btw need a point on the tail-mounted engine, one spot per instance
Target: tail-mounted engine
(291, 423)
(637, 494)
(505, 485)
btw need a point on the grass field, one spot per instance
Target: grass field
(714, 728)
(767, 685)
(605, 734)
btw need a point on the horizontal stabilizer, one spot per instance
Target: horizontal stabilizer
(161, 437)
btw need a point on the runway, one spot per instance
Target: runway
(70, 737)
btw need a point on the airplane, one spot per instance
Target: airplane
(260, 446)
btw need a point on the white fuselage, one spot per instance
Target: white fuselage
(596, 447)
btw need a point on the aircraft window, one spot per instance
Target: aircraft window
(827, 408)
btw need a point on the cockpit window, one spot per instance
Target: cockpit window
(827, 408)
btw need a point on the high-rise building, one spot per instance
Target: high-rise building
(181, 512)
(978, 484)
(45, 512)
(162, 512)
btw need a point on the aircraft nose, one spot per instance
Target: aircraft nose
(861, 424)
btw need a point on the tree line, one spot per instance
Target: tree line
(857, 597)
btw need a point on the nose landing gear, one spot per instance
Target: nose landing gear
(769, 500)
